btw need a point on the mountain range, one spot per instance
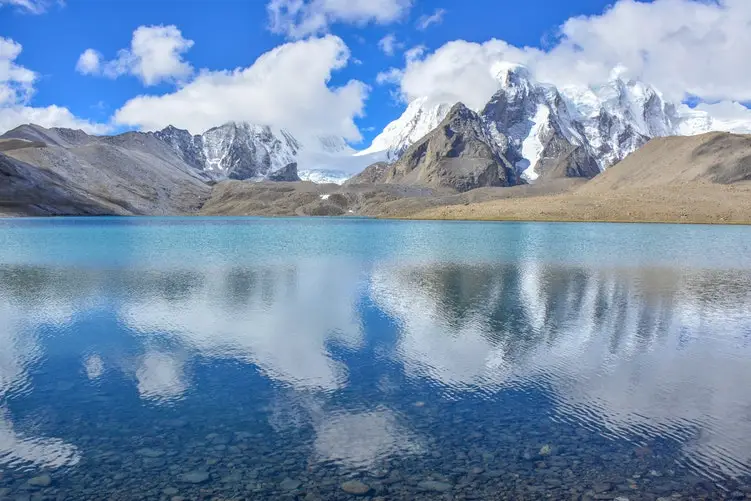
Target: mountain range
(528, 133)
(533, 125)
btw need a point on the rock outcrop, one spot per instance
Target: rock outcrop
(457, 155)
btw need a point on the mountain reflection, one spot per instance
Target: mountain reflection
(638, 352)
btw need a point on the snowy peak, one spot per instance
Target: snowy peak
(236, 150)
(248, 151)
(512, 76)
(420, 117)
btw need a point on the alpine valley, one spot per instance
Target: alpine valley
(529, 140)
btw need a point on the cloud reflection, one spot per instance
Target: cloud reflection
(20, 352)
(645, 353)
(280, 319)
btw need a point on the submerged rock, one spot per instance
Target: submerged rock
(290, 484)
(150, 453)
(355, 487)
(194, 477)
(40, 481)
(434, 485)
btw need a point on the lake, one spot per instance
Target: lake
(317, 359)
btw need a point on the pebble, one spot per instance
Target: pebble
(40, 481)
(170, 491)
(290, 484)
(194, 477)
(434, 485)
(150, 453)
(603, 487)
(355, 487)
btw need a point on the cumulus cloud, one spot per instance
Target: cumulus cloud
(300, 18)
(285, 87)
(682, 47)
(89, 62)
(424, 22)
(155, 55)
(389, 44)
(16, 90)
(458, 71)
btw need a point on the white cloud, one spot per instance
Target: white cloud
(683, 47)
(30, 6)
(424, 22)
(728, 115)
(47, 116)
(89, 62)
(16, 90)
(458, 71)
(285, 87)
(300, 18)
(155, 55)
(389, 44)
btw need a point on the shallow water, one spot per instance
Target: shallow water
(281, 358)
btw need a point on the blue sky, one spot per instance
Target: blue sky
(232, 34)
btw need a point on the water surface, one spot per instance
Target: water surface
(243, 358)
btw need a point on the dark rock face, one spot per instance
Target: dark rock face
(288, 173)
(373, 173)
(457, 155)
(560, 159)
(188, 146)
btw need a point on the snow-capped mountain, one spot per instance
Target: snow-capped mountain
(421, 117)
(537, 126)
(239, 150)
(236, 150)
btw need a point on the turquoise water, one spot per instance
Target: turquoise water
(250, 358)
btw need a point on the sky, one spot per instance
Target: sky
(346, 67)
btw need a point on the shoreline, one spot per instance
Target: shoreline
(426, 218)
(491, 219)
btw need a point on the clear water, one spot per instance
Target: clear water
(282, 358)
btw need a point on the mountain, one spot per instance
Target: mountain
(62, 171)
(458, 154)
(550, 132)
(420, 117)
(237, 151)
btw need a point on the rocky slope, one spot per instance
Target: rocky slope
(458, 155)
(59, 171)
(715, 158)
